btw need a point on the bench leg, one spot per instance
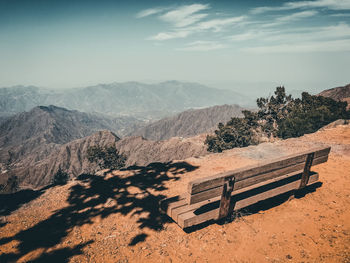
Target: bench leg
(306, 174)
(225, 203)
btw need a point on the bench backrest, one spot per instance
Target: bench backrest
(212, 187)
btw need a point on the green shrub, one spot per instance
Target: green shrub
(60, 177)
(238, 132)
(107, 157)
(310, 114)
(11, 185)
(277, 116)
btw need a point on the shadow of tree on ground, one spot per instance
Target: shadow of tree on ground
(11, 202)
(87, 200)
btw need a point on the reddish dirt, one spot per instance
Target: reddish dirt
(114, 218)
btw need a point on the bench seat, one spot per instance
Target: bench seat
(217, 196)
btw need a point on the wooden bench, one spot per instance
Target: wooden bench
(217, 196)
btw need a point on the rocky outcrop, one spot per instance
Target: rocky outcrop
(140, 151)
(339, 93)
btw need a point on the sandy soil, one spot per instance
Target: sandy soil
(115, 218)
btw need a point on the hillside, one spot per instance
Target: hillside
(36, 169)
(35, 144)
(146, 101)
(140, 151)
(189, 123)
(339, 93)
(115, 217)
(23, 133)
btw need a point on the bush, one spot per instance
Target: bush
(11, 185)
(278, 116)
(60, 177)
(310, 114)
(236, 133)
(107, 157)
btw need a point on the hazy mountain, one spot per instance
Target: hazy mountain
(58, 125)
(34, 144)
(131, 98)
(339, 93)
(190, 122)
(39, 131)
(37, 167)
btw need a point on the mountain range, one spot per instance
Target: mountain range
(35, 144)
(144, 101)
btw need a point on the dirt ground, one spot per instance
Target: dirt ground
(115, 218)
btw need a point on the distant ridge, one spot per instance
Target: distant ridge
(190, 122)
(35, 144)
(145, 101)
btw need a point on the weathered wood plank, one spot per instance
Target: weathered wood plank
(225, 202)
(206, 183)
(212, 193)
(189, 218)
(274, 192)
(180, 210)
(166, 205)
(306, 173)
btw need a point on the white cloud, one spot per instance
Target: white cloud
(149, 12)
(310, 39)
(170, 35)
(203, 46)
(292, 17)
(296, 35)
(308, 47)
(339, 31)
(340, 15)
(250, 35)
(297, 16)
(186, 20)
(243, 36)
(218, 24)
(184, 15)
(329, 4)
(214, 25)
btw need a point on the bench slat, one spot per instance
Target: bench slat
(175, 212)
(217, 191)
(189, 218)
(203, 184)
(180, 210)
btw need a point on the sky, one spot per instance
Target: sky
(240, 45)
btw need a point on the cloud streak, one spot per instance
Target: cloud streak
(329, 4)
(203, 46)
(291, 18)
(255, 33)
(150, 12)
(185, 15)
(313, 39)
(306, 47)
(214, 25)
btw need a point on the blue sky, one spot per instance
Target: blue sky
(225, 44)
